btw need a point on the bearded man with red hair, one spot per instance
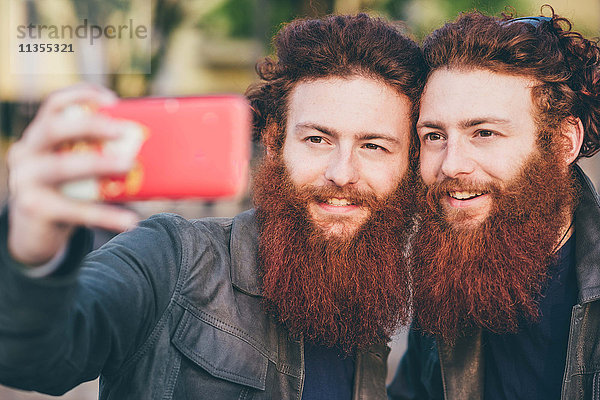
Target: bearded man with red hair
(296, 299)
(507, 257)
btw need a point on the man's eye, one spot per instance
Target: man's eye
(485, 134)
(315, 139)
(373, 146)
(432, 137)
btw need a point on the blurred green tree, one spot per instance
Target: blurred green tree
(259, 18)
(444, 10)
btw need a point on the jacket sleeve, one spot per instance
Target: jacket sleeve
(418, 376)
(92, 314)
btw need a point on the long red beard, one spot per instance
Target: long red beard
(490, 276)
(347, 291)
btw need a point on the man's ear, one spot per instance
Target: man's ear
(572, 134)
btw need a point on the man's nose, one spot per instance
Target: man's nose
(457, 159)
(342, 169)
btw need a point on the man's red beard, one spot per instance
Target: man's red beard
(490, 276)
(349, 290)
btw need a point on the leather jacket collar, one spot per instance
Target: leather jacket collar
(587, 240)
(245, 274)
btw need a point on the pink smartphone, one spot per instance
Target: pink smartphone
(189, 147)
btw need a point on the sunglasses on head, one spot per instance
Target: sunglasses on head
(535, 21)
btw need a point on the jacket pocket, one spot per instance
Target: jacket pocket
(220, 353)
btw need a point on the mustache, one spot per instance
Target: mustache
(357, 197)
(437, 190)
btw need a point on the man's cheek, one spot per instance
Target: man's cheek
(427, 171)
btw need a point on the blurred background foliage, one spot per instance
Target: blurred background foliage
(207, 46)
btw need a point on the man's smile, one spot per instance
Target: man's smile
(336, 201)
(337, 205)
(468, 200)
(339, 215)
(464, 195)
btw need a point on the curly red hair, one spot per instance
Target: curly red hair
(337, 46)
(565, 64)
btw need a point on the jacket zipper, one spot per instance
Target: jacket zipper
(444, 388)
(569, 349)
(302, 364)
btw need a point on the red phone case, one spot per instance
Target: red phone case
(191, 147)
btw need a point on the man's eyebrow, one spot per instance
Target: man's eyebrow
(381, 136)
(430, 124)
(483, 120)
(469, 123)
(320, 128)
(362, 136)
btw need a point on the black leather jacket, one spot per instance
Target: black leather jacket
(431, 369)
(171, 310)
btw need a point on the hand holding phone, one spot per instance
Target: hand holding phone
(41, 218)
(193, 147)
(196, 147)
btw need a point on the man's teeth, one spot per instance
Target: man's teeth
(338, 202)
(464, 195)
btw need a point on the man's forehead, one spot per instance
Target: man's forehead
(475, 95)
(466, 123)
(351, 104)
(480, 75)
